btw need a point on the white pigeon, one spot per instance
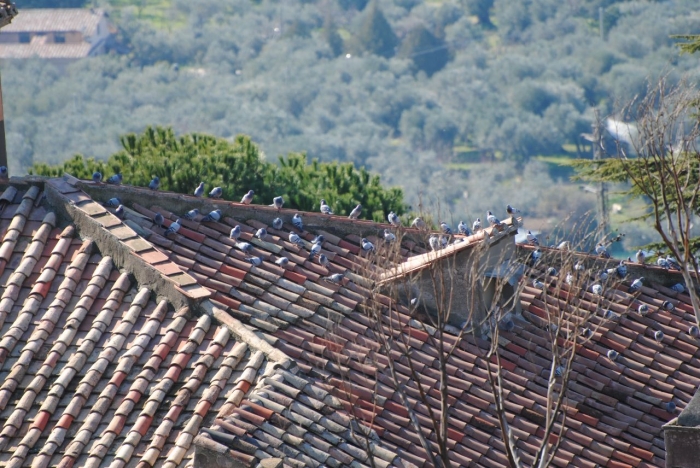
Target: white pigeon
(643, 309)
(578, 266)
(367, 246)
(418, 223)
(216, 192)
(355, 213)
(641, 258)
(434, 243)
(235, 232)
(213, 216)
(154, 184)
(445, 228)
(325, 209)
(564, 245)
(389, 236)
(476, 225)
(247, 198)
(636, 285)
(536, 255)
(463, 229)
(295, 239)
(261, 234)
(282, 261)
(394, 219)
(190, 215)
(493, 221)
(278, 202)
(315, 249)
(597, 289)
(174, 227)
(663, 263)
(199, 191)
(601, 250)
(296, 222)
(244, 246)
(335, 278)
(569, 278)
(119, 211)
(277, 223)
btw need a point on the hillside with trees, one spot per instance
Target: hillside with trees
(447, 99)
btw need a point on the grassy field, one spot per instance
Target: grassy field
(158, 12)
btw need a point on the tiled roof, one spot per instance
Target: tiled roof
(45, 51)
(38, 20)
(283, 363)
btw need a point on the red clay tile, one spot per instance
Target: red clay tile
(296, 277)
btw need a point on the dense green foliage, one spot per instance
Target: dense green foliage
(182, 162)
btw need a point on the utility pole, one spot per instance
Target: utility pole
(7, 12)
(597, 144)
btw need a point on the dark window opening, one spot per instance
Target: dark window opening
(59, 38)
(24, 38)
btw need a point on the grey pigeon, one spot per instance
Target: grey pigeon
(493, 221)
(389, 236)
(434, 243)
(597, 289)
(190, 215)
(636, 285)
(158, 219)
(255, 261)
(670, 407)
(641, 258)
(3, 172)
(319, 239)
(418, 223)
(235, 233)
(659, 335)
(694, 331)
(536, 255)
(277, 202)
(672, 263)
(668, 305)
(315, 249)
(612, 354)
(112, 202)
(603, 275)
(355, 213)
(244, 246)
(531, 239)
(663, 263)
(559, 371)
(393, 219)
(213, 216)
(174, 227)
(678, 287)
(325, 209)
(586, 332)
(295, 239)
(476, 225)
(248, 197)
(551, 271)
(115, 179)
(277, 223)
(297, 222)
(154, 184)
(323, 260)
(610, 315)
(462, 228)
(216, 192)
(282, 261)
(97, 177)
(621, 269)
(507, 325)
(367, 246)
(119, 211)
(335, 278)
(443, 241)
(261, 234)
(643, 309)
(601, 250)
(511, 211)
(199, 191)
(445, 228)
(538, 284)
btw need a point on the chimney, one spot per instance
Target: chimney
(682, 437)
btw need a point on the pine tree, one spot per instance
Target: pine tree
(375, 34)
(428, 52)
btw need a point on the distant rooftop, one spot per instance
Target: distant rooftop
(56, 20)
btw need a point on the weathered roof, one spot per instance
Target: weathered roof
(40, 49)
(37, 20)
(303, 357)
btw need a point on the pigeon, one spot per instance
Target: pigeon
(493, 221)
(551, 271)
(636, 285)
(446, 228)
(597, 289)
(119, 211)
(586, 332)
(531, 239)
(296, 221)
(621, 269)
(434, 243)
(538, 284)
(672, 263)
(355, 213)
(569, 278)
(295, 239)
(216, 192)
(462, 228)
(671, 407)
(247, 198)
(3, 172)
(641, 258)
(190, 215)
(610, 315)
(335, 278)
(476, 225)
(277, 223)
(663, 263)
(199, 191)
(244, 246)
(601, 251)
(511, 210)
(158, 219)
(393, 219)
(389, 236)
(323, 260)
(536, 255)
(325, 209)
(255, 261)
(261, 234)
(678, 287)
(668, 305)
(154, 184)
(115, 179)
(659, 335)
(212, 216)
(235, 233)
(694, 331)
(277, 202)
(174, 227)
(319, 239)
(282, 261)
(97, 177)
(443, 242)
(418, 223)
(643, 309)
(564, 245)
(559, 371)
(578, 266)
(367, 246)
(603, 275)
(612, 354)
(315, 250)
(112, 202)
(507, 325)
